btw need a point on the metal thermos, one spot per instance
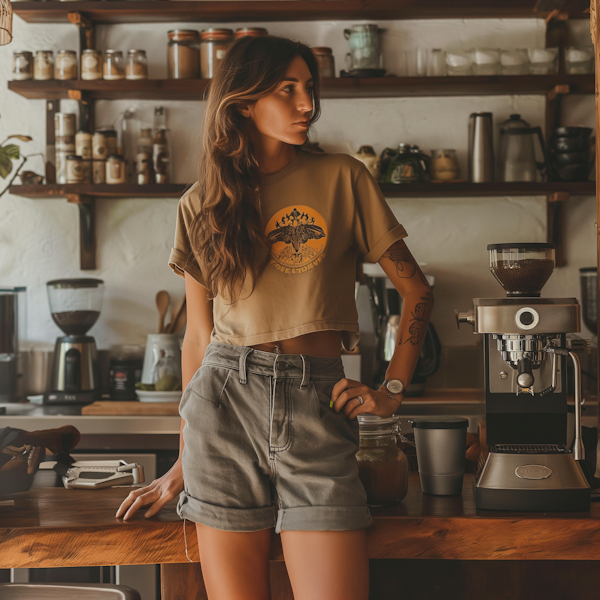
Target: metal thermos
(8, 345)
(481, 148)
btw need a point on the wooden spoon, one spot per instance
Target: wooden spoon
(174, 314)
(162, 303)
(181, 319)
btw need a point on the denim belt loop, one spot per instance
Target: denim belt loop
(305, 372)
(242, 366)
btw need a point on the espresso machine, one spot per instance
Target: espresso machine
(75, 307)
(526, 352)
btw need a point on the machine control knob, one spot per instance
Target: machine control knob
(464, 317)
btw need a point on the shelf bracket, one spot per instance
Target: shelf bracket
(87, 31)
(554, 223)
(87, 230)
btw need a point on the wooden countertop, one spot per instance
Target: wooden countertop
(56, 527)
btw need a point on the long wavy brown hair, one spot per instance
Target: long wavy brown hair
(227, 235)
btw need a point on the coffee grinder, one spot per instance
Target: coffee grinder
(75, 307)
(529, 467)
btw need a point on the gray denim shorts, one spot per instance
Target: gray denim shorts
(263, 448)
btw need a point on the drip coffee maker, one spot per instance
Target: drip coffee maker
(75, 307)
(529, 466)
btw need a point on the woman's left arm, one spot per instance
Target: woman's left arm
(417, 304)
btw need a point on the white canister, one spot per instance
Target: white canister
(154, 344)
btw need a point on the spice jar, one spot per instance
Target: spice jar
(110, 141)
(250, 32)
(66, 65)
(382, 466)
(91, 64)
(99, 146)
(73, 171)
(43, 65)
(183, 54)
(99, 171)
(83, 144)
(86, 171)
(325, 61)
(213, 47)
(115, 169)
(114, 65)
(22, 66)
(137, 65)
(64, 124)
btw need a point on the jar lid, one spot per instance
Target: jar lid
(22, 52)
(112, 51)
(92, 51)
(522, 245)
(250, 32)
(67, 52)
(212, 33)
(135, 51)
(83, 131)
(44, 51)
(440, 423)
(115, 156)
(373, 425)
(589, 270)
(322, 50)
(183, 34)
(73, 157)
(109, 131)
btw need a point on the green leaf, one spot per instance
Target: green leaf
(12, 151)
(6, 164)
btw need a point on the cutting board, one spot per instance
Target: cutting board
(110, 407)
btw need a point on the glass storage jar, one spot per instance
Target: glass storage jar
(66, 65)
(115, 169)
(43, 65)
(137, 65)
(325, 61)
(213, 47)
(110, 141)
(22, 66)
(382, 466)
(91, 64)
(183, 54)
(73, 169)
(114, 65)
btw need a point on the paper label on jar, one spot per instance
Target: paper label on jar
(90, 62)
(220, 53)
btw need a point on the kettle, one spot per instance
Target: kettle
(516, 153)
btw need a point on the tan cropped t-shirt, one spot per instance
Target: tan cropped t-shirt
(319, 212)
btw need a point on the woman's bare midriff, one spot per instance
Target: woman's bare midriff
(317, 343)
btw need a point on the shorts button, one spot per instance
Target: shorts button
(282, 366)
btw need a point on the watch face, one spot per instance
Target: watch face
(395, 386)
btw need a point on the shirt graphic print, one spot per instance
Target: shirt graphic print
(298, 236)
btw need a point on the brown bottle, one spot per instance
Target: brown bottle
(160, 156)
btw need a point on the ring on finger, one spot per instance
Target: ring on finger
(360, 400)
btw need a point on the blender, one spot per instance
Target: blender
(526, 354)
(75, 307)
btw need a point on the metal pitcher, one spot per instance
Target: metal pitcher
(516, 151)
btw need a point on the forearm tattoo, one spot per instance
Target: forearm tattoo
(419, 320)
(406, 266)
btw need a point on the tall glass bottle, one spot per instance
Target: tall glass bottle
(161, 148)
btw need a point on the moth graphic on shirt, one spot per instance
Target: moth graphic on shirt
(298, 236)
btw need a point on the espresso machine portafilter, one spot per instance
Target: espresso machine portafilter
(526, 352)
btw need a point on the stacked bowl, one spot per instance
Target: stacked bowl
(571, 153)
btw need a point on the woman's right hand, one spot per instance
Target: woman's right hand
(158, 493)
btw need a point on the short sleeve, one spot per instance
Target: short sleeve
(182, 258)
(375, 225)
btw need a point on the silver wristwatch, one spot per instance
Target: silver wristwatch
(395, 386)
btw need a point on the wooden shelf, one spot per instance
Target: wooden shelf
(376, 87)
(390, 190)
(299, 10)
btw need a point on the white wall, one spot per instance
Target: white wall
(39, 238)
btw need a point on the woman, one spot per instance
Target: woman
(267, 243)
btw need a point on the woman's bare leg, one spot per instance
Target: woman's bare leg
(327, 565)
(235, 565)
